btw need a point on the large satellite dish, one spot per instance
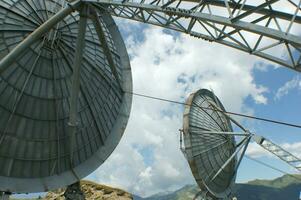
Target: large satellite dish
(62, 105)
(213, 150)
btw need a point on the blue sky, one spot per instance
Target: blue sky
(286, 109)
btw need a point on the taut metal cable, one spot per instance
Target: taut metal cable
(271, 167)
(226, 112)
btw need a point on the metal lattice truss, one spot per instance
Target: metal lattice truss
(279, 152)
(266, 28)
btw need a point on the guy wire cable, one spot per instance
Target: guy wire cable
(271, 167)
(226, 112)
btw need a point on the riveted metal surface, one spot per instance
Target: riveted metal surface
(206, 153)
(35, 98)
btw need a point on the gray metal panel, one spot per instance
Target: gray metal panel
(207, 152)
(35, 98)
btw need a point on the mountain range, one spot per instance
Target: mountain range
(287, 187)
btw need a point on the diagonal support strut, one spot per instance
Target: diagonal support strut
(80, 45)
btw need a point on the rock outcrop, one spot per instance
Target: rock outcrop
(93, 191)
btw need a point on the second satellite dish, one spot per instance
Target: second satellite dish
(207, 152)
(39, 149)
(213, 150)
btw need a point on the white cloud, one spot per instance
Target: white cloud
(295, 83)
(172, 67)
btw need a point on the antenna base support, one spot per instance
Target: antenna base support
(4, 195)
(74, 192)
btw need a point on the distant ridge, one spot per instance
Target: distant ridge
(280, 182)
(282, 188)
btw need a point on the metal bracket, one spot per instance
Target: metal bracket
(4, 195)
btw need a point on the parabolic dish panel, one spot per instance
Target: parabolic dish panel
(207, 152)
(35, 98)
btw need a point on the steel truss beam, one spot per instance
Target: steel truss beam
(260, 29)
(279, 152)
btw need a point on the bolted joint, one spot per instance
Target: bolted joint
(73, 124)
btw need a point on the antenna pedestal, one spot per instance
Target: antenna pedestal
(4, 195)
(201, 195)
(74, 192)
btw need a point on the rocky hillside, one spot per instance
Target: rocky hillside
(93, 191)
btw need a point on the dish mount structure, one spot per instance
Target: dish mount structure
(213, 150)
(65, 76)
